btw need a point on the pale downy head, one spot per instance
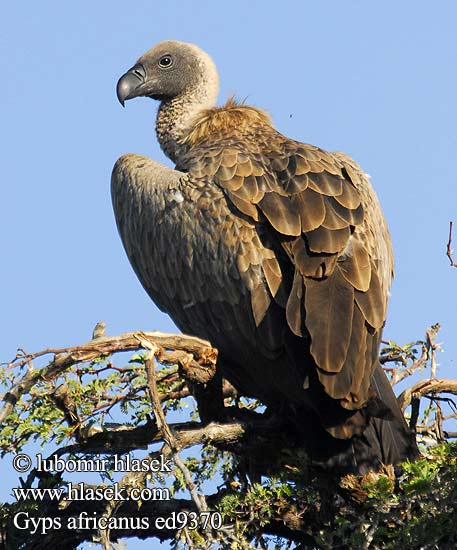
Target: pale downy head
(182, 77)
(168, 70)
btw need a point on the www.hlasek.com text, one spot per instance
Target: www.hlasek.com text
(84, 492)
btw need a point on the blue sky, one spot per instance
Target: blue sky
(376, 80)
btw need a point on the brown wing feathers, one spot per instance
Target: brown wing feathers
(314, 208)
(302, 243)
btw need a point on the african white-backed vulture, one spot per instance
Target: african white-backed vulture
(274, 250)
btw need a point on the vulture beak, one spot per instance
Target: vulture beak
(130, 83)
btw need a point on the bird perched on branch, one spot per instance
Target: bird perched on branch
(274, 250)
(99, 330)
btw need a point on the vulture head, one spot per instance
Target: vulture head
(169, 70)
(183, 78)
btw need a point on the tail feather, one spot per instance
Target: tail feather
(393, 437)
(385, 440)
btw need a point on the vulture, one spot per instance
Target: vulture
(275, 251)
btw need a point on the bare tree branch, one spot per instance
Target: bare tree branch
(198, 355)
(448, 248)
(168, 434)
(397, 375)
(427, 387)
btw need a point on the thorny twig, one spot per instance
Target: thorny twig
(448, 248)
(432, 420)
(397, 375)
(396, 354)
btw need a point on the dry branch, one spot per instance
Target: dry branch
(168, 435)
(431, 387)
(397, 375)
(448, 247)
(198, 355)
(406, 356)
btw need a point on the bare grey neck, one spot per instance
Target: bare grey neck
(175, 117)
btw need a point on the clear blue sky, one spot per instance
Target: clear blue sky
(377, 80)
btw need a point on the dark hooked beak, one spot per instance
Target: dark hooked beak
(130, 83)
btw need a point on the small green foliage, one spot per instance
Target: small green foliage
(93, 390)
(380, 489)
(260, 501)
(406, 351)
(422, 474)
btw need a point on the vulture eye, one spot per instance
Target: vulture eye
(166, 61)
